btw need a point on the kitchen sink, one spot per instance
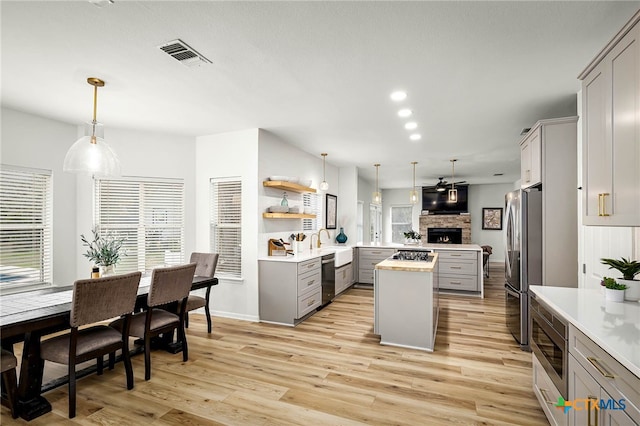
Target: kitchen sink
(343, 254)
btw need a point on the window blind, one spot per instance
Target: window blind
(401, 222)
(25, 227)
(149, 213)
(310, 201)
(225, 225)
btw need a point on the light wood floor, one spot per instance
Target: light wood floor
(330, 370)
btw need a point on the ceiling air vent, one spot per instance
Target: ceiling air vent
(182, 52)
(524, 131)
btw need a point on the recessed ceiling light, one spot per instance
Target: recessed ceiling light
(398, 96)
(415, 137)
(411, 125)
(405, 112)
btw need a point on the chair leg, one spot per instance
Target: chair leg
(126, 357)
(112, 360)
(10, 383)
(183, 338)
(186, 319)
(72, 391)
(206, 311)
(99, 365)
(147, 356)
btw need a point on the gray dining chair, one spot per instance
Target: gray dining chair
(8, 362)
(206, 267)
(168, 285)
(95, 300)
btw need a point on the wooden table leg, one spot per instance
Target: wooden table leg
(31, 403)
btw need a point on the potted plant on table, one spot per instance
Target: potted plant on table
(613, 291)
(412, 237)
(629, 269)
(104, 251)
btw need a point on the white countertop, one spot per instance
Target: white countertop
(305, 255)
(424, 246)
(615, 327)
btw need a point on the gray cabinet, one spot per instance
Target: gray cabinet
(611, 132)
(344, 277)
(368, 258)
(289, 290)
(547, 394)
(460, 270)
(530, 159)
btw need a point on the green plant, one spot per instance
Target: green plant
(611, 284)
(103, 250)
(412, 235)
(628, 268)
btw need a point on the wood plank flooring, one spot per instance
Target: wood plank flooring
(329, 370)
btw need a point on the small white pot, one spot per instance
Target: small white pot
(632, 293)
(614, 295)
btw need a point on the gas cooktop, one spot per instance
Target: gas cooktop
(413, 255)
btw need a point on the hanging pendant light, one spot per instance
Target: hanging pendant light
(377, 195)
(91, 154)
(324, 185)
(413, 194)
(453, 192)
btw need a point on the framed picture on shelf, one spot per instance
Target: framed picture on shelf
(492, 218)
(331, 211)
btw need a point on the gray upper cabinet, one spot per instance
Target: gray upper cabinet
(531, 159)
(611, 132)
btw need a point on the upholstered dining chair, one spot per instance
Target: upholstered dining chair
(95, 300)
(8, 363)
(206, 267)
(168, 285)
(486, 252)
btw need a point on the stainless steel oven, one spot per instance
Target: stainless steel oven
(549, 343)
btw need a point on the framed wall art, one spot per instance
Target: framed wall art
(331, 212)
(492, 218)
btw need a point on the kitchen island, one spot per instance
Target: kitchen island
(406, 302)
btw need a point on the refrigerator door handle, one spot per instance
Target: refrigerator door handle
(512, 292)
(508, 228)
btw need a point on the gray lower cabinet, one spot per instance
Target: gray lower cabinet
(289, 290)
(344, 277)
(368, 258)
(460, 270)
(595, 377)
(547, 395)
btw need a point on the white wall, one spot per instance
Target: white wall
(365, 190)
(232, 154)
(481, 196)
(348, 203)
(32, 141)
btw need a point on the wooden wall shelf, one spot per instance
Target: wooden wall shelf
(289, 186)
(288, 216)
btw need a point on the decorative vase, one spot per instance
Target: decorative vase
(614, 295)
(632, 293)
(107, 270)
(341, 237)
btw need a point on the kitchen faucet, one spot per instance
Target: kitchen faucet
(317, 235)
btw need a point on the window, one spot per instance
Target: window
(310, 201)
(149, 213)
(360, 222)
(225, 221)
(25, 227)
(400, 222)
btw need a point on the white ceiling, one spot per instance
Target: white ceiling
(316, 74)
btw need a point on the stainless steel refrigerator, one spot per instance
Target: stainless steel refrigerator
(523, 257)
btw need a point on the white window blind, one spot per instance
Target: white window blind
(225, 225)
(401, 222)
(149, 213)
(310, 201)
(25, 227)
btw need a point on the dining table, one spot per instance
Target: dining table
(28, 316)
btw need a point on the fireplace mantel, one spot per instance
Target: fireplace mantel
(462, 221)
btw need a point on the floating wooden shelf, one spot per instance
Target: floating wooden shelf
(288, 216)
(289, 186)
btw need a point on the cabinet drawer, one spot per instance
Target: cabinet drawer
(547, 395)
(308, 282)
(622, 385)
(451, 255)
(458, 268)
(309, 265)
(309, 302)
(455, 282)
(369, 262)
(377, 253)
(365, 276)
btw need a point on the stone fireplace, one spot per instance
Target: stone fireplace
(444, 235)
(444, 221)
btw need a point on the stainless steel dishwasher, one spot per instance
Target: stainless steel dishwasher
(328, 278)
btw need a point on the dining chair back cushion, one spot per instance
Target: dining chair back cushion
(100, 299)
(206, 263)
(170, 284)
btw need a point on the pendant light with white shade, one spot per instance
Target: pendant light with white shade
(91, 154)
(377, 195)
(453, 192)
(413, 194)
(324, 185)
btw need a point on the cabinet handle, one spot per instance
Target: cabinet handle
(455, 267)
(311, 282)
(545, 397)
(311, 302)
(528, 174)
(604, 204)
(589, 410)
(600, 369)
(455, 255)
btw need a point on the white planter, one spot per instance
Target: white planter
(632, 293)
(614, 295)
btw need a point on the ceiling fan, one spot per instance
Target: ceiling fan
(442, 184)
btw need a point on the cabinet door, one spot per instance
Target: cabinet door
(531, 159)
(584, 391)
(525, 164)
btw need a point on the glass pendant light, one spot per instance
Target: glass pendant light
(377, 195)
(91, 154)
(413, 194)
(324, 185)
(453, 192)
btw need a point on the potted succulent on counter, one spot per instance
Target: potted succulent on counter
(412, 237)
(104, 251)
(629, 269)
(613, 291)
